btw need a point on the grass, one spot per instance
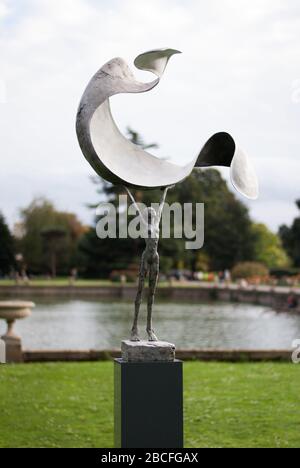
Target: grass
(226, 405)
(63, 282)
(59, 282)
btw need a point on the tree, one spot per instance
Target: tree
(268, 248)
(228, 234)
(7, 254)
(136, 138)
(54, 243)
(229, 238)
(290, 237)
(40, 222)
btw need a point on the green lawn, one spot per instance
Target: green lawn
(63, 282)
(226, 405)
(60, 282)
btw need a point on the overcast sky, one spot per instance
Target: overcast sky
(239, 72)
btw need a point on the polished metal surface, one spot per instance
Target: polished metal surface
(120, 161)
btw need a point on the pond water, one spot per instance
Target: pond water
(94, 324)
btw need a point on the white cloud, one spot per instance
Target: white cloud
(237, 72)
(4, 9)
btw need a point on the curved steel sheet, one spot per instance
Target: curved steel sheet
(120, 161)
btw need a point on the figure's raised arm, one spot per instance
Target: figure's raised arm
(143, 220)
(162, 202)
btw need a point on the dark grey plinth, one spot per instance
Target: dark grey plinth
(148, 404)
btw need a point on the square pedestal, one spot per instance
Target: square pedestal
(13, 349)
(148, 404)
(147, 351)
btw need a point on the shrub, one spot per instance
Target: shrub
(249, 270)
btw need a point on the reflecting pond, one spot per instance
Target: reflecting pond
(94, 324)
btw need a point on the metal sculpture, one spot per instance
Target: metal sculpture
(149, 264)
(121, 162)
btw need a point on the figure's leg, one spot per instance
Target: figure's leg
(138, 301)
(153, 279)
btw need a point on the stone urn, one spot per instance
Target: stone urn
(12, 311)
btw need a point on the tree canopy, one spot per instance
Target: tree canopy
(43, 226)
(290, 236)
(268, 248)
(7, 254)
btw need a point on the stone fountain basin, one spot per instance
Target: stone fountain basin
(15, 310)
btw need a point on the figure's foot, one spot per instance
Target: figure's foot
(134, 335)
(151, 335)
